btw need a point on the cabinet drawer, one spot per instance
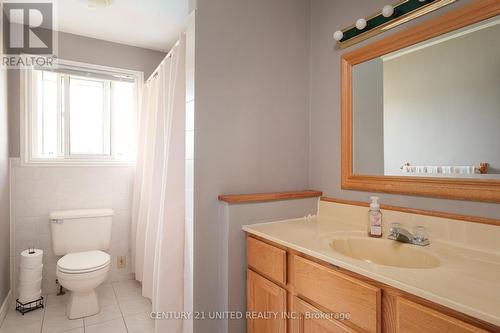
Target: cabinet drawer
(266, 259)
(312, 320)
(412, 317)
(339, 293)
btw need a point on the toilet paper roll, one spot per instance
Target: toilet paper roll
(31, 259)
(29, 288)
(30, 274)
(30, 298)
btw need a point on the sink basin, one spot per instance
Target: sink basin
(385, 252)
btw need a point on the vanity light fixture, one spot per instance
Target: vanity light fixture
(389, 17)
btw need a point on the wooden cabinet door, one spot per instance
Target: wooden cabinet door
(266, 305)
(311, 320)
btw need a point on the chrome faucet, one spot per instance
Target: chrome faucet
(397, 233)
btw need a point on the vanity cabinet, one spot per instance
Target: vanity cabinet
(307, 295)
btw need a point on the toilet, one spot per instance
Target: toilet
(81, 237)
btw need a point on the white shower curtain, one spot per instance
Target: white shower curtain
(158, 211)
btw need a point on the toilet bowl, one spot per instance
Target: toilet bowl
(81, 273)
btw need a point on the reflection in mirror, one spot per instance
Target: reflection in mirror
(432, 109)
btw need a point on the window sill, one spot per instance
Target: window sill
(76, 163)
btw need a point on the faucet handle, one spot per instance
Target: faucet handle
(421, 237)
(393, 228)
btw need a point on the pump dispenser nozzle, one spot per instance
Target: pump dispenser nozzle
(374, 204)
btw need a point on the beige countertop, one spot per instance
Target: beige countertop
(467, 280)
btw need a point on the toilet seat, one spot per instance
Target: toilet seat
(83, 262)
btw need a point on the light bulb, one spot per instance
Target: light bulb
(337, 35)
(361, 24)
(387, 11)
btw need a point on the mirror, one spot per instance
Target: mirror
(431, 109)
(421, 108)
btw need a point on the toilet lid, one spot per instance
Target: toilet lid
(81, 262)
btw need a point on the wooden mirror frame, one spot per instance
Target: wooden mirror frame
(465, 189)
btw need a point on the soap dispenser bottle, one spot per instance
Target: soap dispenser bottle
(374, 218)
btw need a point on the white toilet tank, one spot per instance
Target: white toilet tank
(80, 230)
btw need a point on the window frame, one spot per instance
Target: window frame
(28, 130)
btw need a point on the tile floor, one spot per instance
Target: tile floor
(123, 310)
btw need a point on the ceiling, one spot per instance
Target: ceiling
(152, 24)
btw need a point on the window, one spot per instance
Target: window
(80, 114)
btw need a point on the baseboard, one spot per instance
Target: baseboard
(5, 307)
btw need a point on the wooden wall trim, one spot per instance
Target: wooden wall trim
(469, 189)
(452, 216)
(272, 196)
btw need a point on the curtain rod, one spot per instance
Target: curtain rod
(169, 54)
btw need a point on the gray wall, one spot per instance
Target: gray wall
(4, 192)
(251, 135)
(368, 117)
(326, 17)
(83, 49)
(442, 103)
(234, 218)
